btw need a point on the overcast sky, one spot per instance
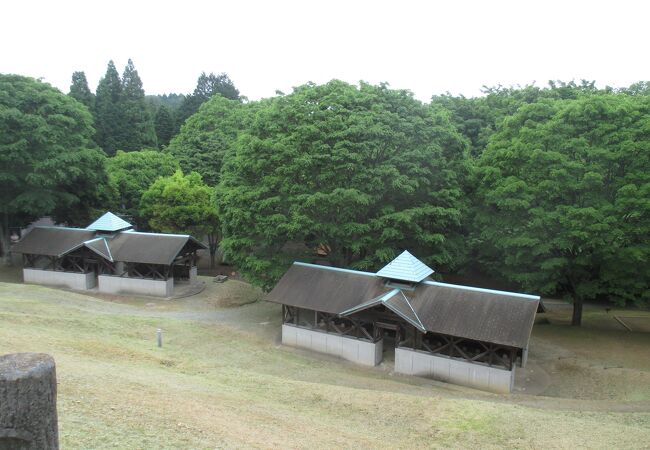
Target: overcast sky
(429, 47)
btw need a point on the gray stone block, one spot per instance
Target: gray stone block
(28, 417)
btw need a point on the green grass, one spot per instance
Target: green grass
(226, 382)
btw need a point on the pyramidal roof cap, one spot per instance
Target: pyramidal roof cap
(406, 267)
(109, 222)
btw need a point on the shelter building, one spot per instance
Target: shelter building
(110, 256)
(458, 334)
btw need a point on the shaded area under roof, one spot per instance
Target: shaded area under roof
(406, 267)
(478, 314)
(393, 300)
(401, 306)
(109, 222)
(52, 241)
(150, 248)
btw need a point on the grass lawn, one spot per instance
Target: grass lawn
(221, 379)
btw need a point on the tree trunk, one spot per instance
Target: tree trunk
(5, 240)
(213, 241)
(576, 319)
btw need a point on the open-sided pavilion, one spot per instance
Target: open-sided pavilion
(460, 334)
(110, 256)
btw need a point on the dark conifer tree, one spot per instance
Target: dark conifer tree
(164, 126)
(80, 91)
(107, 110)
(137, 124)
(206, 87)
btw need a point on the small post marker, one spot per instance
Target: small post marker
(159, 337)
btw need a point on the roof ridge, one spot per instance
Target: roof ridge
(478, 289)
(333, 269)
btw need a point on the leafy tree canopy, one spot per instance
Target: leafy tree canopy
(564, 198)
(49, 163)
(477, 118)
(207, 135)
(131, 174)
(365, 170)
(183, 204)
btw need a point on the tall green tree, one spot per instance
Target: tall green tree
(164, 123)
(137, 124)
(49, 163)
(564, 199)
(366, 170)
(108, 115)
(208, 135)
(207, 86)
(130, 175)
(183, 204)
(80, 91)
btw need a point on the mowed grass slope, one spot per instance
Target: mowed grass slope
(214, 384)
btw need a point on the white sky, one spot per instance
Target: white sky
(428, 47)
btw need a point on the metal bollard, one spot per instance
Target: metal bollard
(159, 337)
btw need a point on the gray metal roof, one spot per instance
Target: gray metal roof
(499, 317)
(109, 222)
(330, 291)
(150, 248)
(52, 241)
(126, 246)
(406, 267)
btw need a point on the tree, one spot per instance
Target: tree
(80, 91)
(564, 199)
(366, 170)
(183, 204)
(478, 118)
(131, 174)
(137, 125)
(208, 135)
(107, 111)
(207, 86)
(48, 161)
(164, 123)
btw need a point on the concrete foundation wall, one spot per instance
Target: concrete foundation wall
(412, 362)
(70, 280)
(355, 350)
(123, 285)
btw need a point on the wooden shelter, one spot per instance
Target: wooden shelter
(455, 333)
(108, 255)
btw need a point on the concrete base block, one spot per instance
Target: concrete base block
(356, 350)
(123, 285)
(70, 280)
(413, 362)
